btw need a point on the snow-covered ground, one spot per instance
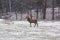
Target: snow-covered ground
(20, 30)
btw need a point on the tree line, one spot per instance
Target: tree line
(23, 6)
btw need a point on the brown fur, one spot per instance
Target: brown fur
(32, 21)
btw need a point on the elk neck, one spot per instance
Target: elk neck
(28, 19)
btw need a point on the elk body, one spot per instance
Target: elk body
(32, 21)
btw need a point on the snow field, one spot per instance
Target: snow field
(21, 30)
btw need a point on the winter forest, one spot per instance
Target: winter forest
(29, 19)
(39, 9)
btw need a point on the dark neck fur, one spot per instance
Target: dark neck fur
(28, 19)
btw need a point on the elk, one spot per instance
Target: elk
(30, 20)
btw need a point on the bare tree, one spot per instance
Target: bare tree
(10, 5)
(52, 9)
(16, 14)
(0, 8)
(44, 8)
(37, 13)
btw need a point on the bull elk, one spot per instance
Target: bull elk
(32, 21)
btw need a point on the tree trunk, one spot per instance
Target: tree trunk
(44, 9)
(16, 15)
(21, 15)
(0, 8)
(52, 9)
(10, 5)
(37, 13)
(28, 13)
(31, 13)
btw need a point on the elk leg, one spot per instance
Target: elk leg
(30, 24)
(35, 24)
